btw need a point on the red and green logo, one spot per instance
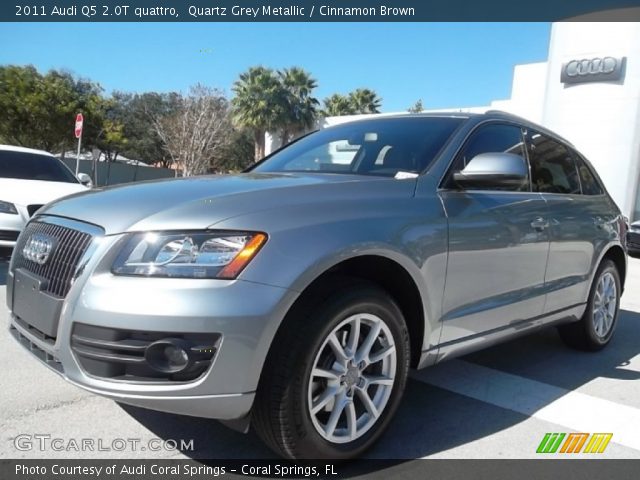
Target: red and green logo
(574, 443)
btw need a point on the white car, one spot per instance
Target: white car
(30, 179)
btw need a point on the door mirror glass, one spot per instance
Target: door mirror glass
(492, 170)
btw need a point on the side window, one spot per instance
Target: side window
(488, 139)
(589, 182)
(553, 169)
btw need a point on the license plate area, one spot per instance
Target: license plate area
(32, 305)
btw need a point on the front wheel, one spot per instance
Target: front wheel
(336, 376)
(595, 330)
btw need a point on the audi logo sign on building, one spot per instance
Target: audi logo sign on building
(597, 69)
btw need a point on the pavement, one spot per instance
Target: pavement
(498, 403)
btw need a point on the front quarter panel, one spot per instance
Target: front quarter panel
(307, 239)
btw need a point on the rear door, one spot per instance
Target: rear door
(580, 219)
(498, 245)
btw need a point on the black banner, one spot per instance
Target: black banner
(274, 469)
(316, 10)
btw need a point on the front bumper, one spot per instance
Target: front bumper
(11, 225)
(245, 314)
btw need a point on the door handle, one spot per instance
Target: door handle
(540, 223)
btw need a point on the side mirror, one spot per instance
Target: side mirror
(85, 180)
(492, 170)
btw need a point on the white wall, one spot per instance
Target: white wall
(527, 92)
(601, 119)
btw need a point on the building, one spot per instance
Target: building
(588, 91)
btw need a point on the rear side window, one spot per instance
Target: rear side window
(491, 138)
(589, 182)
(31, 166)
(553, 169)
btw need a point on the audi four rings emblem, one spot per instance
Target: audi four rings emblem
(589, 67)
(38, 248)
(597, 69)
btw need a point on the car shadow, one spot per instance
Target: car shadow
(432, 420)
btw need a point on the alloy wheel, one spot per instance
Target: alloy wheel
(605, 303)
(352, 378)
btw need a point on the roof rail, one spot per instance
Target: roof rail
(524, 120)
(506, 114)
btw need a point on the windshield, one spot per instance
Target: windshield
(32, 166)
(380, 146)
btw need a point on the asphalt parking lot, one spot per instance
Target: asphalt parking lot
(498, 403)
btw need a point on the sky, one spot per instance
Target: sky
(445, 65)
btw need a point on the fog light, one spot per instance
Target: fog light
(170, 355)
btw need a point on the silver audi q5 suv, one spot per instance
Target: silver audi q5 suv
(295, 297)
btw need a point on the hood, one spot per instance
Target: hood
(201, 202)
(35, 192)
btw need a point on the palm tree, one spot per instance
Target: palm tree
(337, 105)
(361, 100)
(299, 109)
(258, 104)
(365, 100)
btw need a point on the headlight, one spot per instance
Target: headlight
(7, 207)
(188, 255)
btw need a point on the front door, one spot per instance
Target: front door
(498, 246)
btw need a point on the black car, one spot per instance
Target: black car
(633, 239)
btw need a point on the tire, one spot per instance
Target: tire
(309, 343)
(596, 327)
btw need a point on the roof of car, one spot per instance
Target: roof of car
(14, 148)
(488, 115)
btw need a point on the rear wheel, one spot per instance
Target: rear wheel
(336, 376)
(595, 330)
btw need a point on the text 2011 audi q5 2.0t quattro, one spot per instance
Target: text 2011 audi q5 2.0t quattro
(296, 296)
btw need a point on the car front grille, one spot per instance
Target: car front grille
(9, 235)
(43, 355)
(60, 267)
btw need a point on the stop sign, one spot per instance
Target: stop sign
(79, 121)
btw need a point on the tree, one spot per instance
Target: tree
(136, 114)
(360, 101)
(237, 154)
(365, 100)
(258, 104)
(110, 139)
(198, 131)
(38, 111)
(299, 109)
(417, 107)
(337, 105)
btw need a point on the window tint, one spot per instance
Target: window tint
(492, 138)
(367, 147)
(589, 182)
(339, 154)
(553, 169)
(31, 166)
